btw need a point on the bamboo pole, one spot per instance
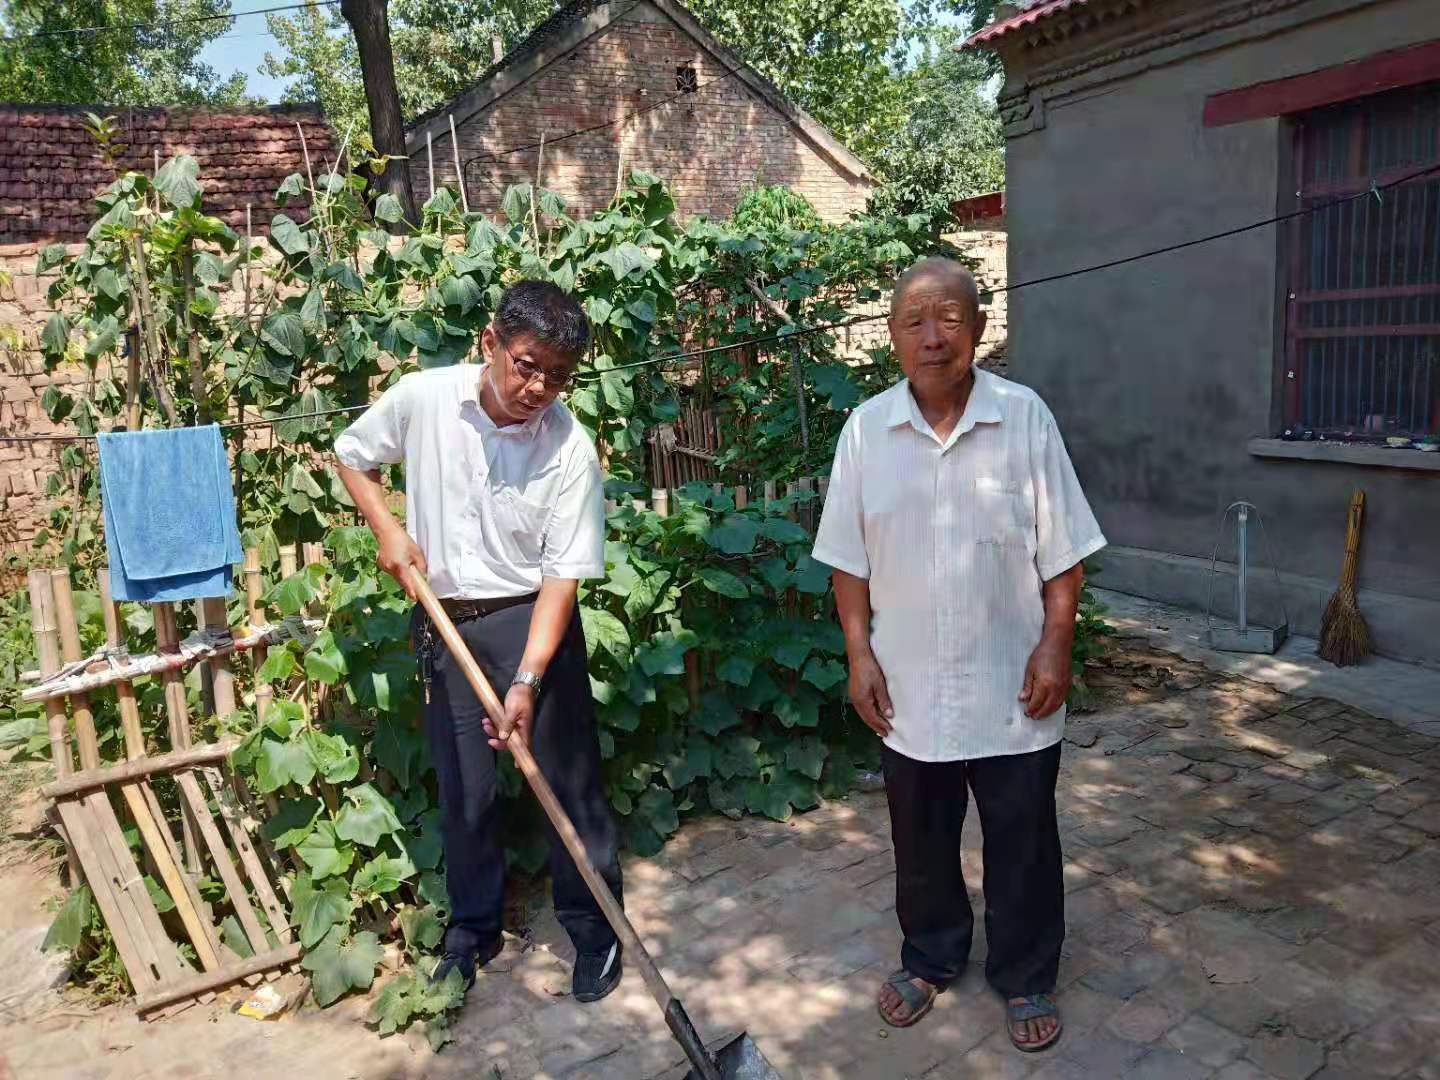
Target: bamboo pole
(47, 647)
(152, 334)
(124, 691)
(430, 159)
(167, 639)
(221, 676)
(534, 194)
(459, 175)
(85, 739)
(192, 338)
(253, 589)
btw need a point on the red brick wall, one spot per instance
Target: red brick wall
(707, 147)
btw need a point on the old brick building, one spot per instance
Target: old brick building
(50, 171)
(650, 89)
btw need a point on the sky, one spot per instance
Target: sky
(243, 49)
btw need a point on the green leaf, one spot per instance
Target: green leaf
(776, 573)
(811, 576)
(624, 259)
(293, 593)
(426, 849)
(367, 818)
(694, 762)
(422, 927)
(279, 665)
(286, 236)
(460, 292)
(56, 335)
(279, 763)
(603, 631)
(285, 333)
(233, 934)
(334, 758)
(657, 808)
(324, 662)
(791, 653)
(736, 668)
(664, 654)
(432, 889)
(292, 187)
(338, 965)
(68, 929)
(318, 910)
(823, 674)
(293, 823)
(399, 749)
(716, 713)
(737, 755)
(734, 535)
(723, 582)
(381, 875)
(388, 209)
(394, 1008)
(800, 709)
(783, 531)
(324, 852)
(179, 181)
(158, 896)
(806, 755)
(312, 311)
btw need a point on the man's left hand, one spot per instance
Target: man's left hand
(518, 720)
(1047, 679)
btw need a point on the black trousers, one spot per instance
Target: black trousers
(1024, 889)
(567, 750)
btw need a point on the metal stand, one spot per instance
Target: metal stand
(1243, 637)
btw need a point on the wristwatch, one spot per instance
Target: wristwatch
(527, 678)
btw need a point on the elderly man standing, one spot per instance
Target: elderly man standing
(956, 527)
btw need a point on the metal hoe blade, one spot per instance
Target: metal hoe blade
(741, 1059)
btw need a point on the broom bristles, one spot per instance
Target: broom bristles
(1344, 634)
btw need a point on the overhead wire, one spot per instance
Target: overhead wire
(790, 333)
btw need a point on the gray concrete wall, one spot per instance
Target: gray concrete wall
(1160, 371)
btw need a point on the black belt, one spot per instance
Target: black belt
(460, 610)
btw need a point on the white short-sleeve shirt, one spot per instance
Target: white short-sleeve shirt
(494, 509)
(957, 539)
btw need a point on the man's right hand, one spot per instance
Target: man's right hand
(870, 695)
(397, 553)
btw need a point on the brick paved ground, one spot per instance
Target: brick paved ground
(1252, 881)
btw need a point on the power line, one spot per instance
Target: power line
(167, 24)
(1374, 191)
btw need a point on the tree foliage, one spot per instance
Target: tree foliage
(119, 66)
(440, 47)
(950, 145)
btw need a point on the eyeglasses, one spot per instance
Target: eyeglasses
(528, 371)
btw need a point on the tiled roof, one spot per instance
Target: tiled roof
(1032, 13)
(51, 169)
(534, 41)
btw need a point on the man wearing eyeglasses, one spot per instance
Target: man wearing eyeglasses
(504, 515)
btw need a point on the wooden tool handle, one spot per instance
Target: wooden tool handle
(1352, 523)
(614, 914)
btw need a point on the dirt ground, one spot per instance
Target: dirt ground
(1252, 882)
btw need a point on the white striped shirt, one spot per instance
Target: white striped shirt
(957, 539)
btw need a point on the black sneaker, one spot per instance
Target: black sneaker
(467, 960)
(596, 974)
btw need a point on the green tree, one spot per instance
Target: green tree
(119, 66)
(950, 146)
(840, 60)
(440, 46)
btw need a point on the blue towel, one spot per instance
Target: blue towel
(169, 514)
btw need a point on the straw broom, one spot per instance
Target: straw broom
(1344, 637)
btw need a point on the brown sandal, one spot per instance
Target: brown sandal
(915, 992)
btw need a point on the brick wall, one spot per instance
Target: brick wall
(707, 147)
